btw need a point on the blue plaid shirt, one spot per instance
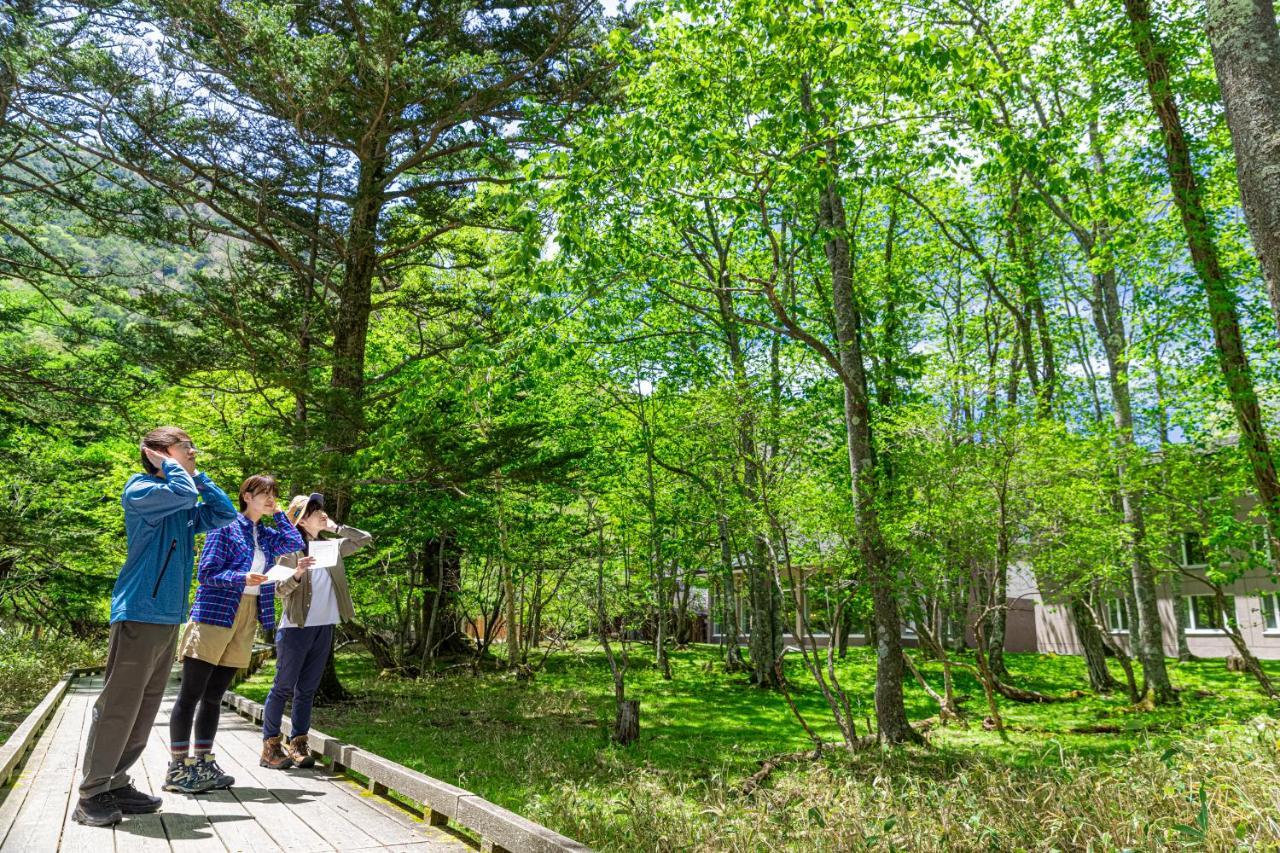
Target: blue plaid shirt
(225, 562)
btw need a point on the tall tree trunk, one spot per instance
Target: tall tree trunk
(303, 390)
(843, 628)
(1095, 651)
(1148, 632)
(891, 713)
(1223, 313)
(998, 618)
(1108, 320)
(733, 661)
(1033, 299)
(1180, 617)
(661, 600)
(1246, 55)
(331, 689)
(344, 406)
(764, 594)
(442, 617)
(1175, 580)
(510, 599)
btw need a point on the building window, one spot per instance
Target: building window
(1271, 610)
(1117, 616)
(1203, 613)
(1262, 546)
(1192, 549)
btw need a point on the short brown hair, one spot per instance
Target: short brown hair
(258, 484)
(160, 438)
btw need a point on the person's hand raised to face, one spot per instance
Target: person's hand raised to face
(157, 457)
(184, 453)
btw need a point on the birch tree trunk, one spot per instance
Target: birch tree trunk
(763, 592)
(891, 713)
(1188, 197)
(1246, 56)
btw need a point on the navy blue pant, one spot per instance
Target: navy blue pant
(301, 654)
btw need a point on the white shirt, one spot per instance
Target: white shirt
(324, 602)
(259, 565)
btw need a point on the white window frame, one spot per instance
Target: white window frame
(1195, 630)
(1117, 613)
(1182, 546)
(1269, 604)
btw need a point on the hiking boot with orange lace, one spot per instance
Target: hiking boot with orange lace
(299, 753)
(273, 755)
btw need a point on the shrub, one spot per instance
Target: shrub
(30, 665)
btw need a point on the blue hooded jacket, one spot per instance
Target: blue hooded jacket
(162, 516)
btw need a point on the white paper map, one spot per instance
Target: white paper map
(279, 573)
(325, 551)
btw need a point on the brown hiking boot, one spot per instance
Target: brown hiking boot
(273, 756)
(299, 753)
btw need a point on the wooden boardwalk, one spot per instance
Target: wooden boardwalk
(266, 810)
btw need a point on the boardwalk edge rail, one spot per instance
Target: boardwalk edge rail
(500, 830)
(24, 737)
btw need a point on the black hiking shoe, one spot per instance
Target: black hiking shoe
(218, 778)
(100, 810)
(132, 801)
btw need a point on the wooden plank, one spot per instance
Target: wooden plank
(280, 819)
(17, 795)
(235, 828)
(386, 823)
(185, 823)
(38, 825)
(499, 827)
(18, 744)
(144, 832)
(453, 845)
(234, 825)
(78, 837)
(313, 808)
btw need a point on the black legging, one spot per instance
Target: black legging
(200, 697)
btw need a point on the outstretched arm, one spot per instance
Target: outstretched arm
(353, 539)
(216, 510)
(282, 539)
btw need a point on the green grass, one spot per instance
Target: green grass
(541, 748)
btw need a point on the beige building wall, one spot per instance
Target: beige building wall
(1056, 634)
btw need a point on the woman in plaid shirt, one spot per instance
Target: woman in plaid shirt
(231, 601)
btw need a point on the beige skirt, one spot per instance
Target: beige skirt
(223, 646)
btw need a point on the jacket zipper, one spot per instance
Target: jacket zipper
(164, 568)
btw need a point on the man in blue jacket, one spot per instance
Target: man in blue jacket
(164, 509)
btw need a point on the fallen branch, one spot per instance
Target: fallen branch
(772, 764)
(1017, 694)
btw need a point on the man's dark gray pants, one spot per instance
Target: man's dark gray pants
(138, 663)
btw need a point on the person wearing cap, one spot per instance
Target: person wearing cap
(313, 601)
(233, 599)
